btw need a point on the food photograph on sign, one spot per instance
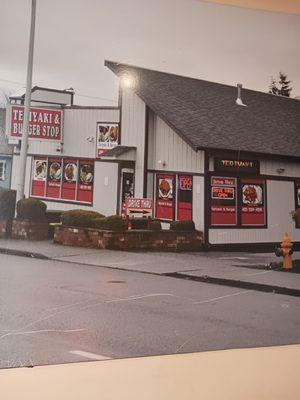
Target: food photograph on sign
(55, 171)
(165, 188)
(86, 174)
(70, 174)
(252, 194)
(40, 170)
(107, 137)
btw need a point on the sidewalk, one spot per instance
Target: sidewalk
(226, 268)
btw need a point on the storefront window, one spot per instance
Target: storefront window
(223, 201)
(165, 196)
(297, 200)
(63, 179)
(238, 202)
(185, 198)
(174, 197)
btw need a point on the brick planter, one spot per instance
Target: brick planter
(129, 240)
(29, 230)
(3, 228)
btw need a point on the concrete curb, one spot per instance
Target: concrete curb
(260, 287)
(23, 253)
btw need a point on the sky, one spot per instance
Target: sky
(220, 43)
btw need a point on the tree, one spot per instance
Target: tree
(282, 87)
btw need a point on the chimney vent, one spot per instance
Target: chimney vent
(239, 100)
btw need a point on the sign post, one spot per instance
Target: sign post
(24, 143)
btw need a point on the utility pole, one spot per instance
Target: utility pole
(25, 129)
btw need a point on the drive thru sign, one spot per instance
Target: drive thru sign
(137, 208)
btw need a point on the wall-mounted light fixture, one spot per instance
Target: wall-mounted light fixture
(280, 170)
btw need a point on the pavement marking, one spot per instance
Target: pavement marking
(223, 297)
(91, 356)
(140, 297)
(233, 258)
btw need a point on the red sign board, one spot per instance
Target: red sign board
(185, 198)
(223, 201)
(44, 123)
(253, 204)
(139, 207)
(165, 200)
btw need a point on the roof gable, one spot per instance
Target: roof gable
(206, 116)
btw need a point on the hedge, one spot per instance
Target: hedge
(185, 226)
(80, 218)
(32, 209)
(111, 223)
(7, 203)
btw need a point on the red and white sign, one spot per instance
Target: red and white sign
(165, 201)
(253, 207)
(139, 207)
(223, 201)
(44, 123)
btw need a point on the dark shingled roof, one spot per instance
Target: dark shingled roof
(206, 116)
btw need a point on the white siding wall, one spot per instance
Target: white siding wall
(133, 133)
(166, 145)
(15, 174)
(198, 202)
(78, 124)
(270, 167)
(280, 202)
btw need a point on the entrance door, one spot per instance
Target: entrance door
(127, 187)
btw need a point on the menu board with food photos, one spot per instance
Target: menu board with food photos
(223, 201)
(165, 196)
(253, 202)
(185, 198)
(86, 180)
(107, 137)
(54, 177)
(67, 179)
(39, 177)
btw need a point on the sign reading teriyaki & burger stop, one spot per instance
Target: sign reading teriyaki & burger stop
(44, 123)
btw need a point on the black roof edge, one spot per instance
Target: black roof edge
(107, 64)
(244, 153)
(34, 88)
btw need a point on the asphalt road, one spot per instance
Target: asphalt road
(56, 312)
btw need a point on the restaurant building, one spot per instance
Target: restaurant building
(229, 159)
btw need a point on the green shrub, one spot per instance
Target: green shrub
(32, 209)
(185, 226)
(7, 203)
(111, 223)
(139, 223)
(155, 226)
(80, 218)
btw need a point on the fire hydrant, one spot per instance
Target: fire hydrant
(286, 250)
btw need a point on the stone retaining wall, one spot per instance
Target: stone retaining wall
(29, 230)
(129, 240)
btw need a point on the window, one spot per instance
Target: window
(2, 170)
(174, 197)
(237, 202)
(297, 200)
(65, 179)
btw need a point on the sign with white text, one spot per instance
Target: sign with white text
(44, 123)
